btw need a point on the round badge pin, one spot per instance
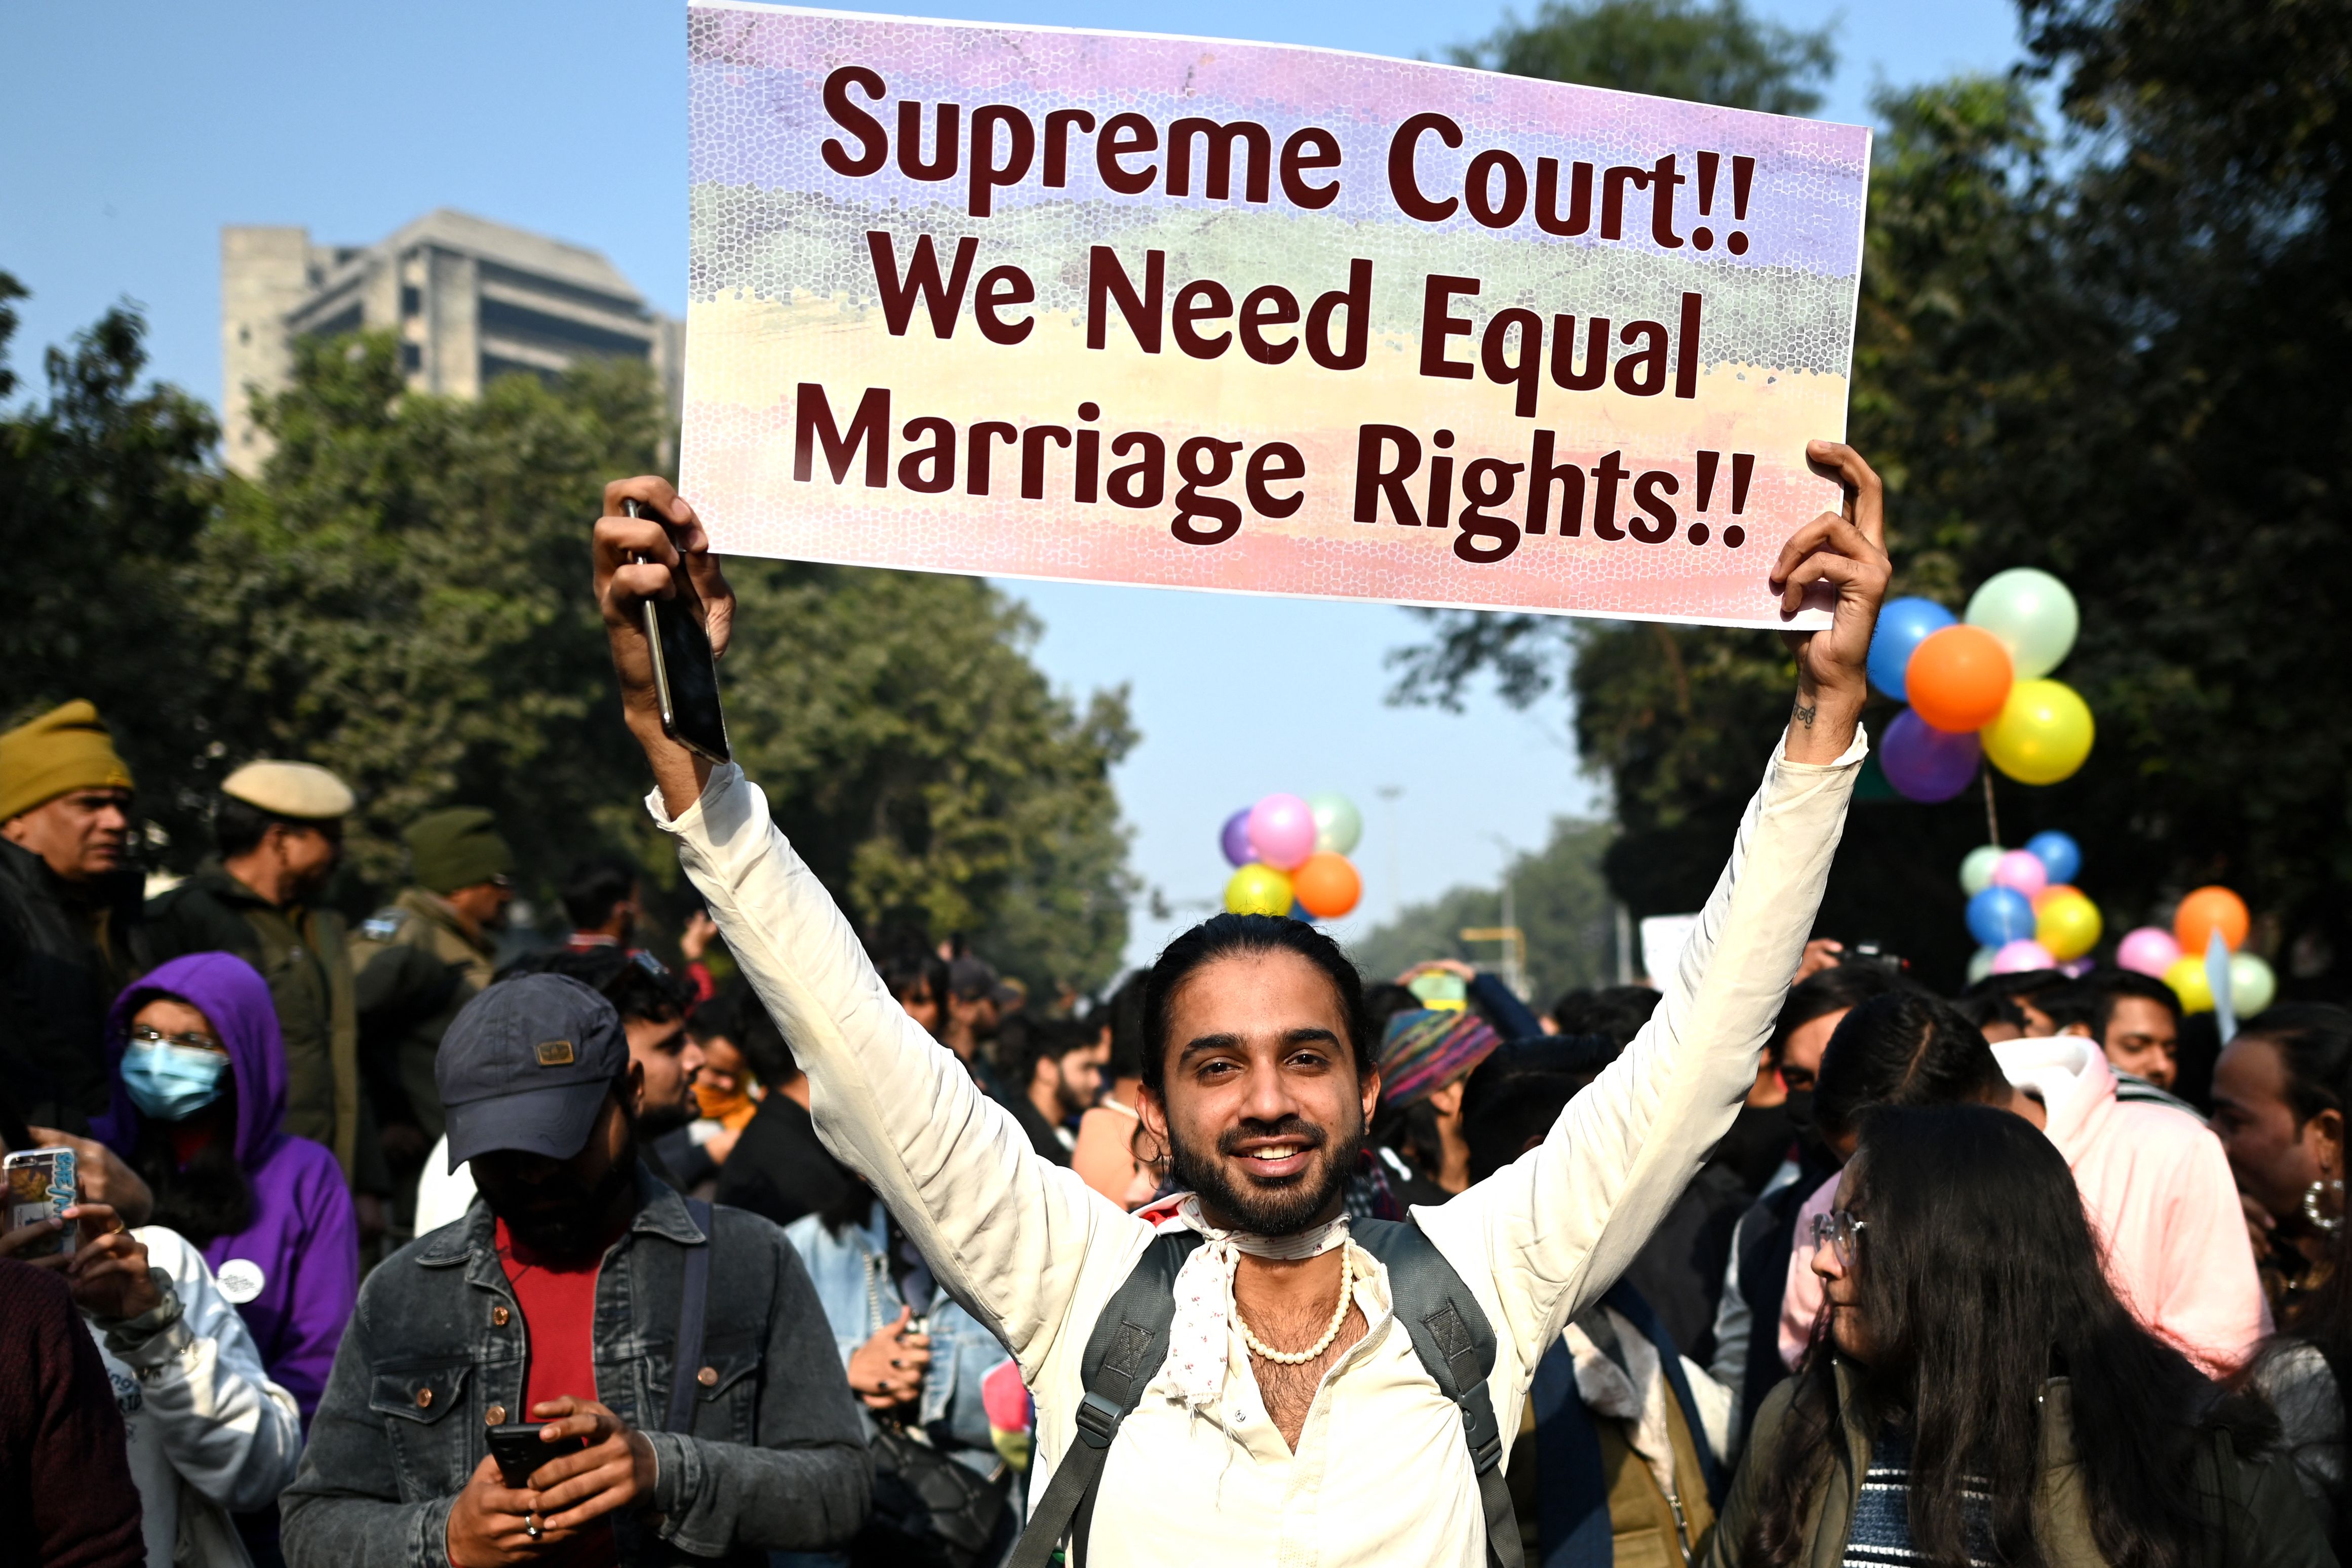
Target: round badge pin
(240, 1279)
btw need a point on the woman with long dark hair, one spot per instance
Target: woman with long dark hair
(2281, 1095)
(1978, 1395)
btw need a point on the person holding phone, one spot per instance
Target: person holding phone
(560, 1316)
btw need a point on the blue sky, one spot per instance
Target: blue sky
(135, 129)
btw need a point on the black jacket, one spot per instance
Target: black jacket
(779, 1170)
(66, 950)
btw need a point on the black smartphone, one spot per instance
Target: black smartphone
(520, 1453)
(686, 672)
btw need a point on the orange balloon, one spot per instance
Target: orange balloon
(2056, 890)
(2205, 911)
(1959, 679)
(1327, 886)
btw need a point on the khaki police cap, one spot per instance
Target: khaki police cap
(290, 789)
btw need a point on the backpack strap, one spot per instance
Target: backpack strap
(1571, 1486)
(1457, 1345)
(1125, 1352)
(1635, 1307)
(693, 1302)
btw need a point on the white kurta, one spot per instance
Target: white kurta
(1382, 1474)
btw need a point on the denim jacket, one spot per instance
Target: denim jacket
(851, 1275)
(436, 1354)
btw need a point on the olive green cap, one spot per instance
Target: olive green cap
(457, 848)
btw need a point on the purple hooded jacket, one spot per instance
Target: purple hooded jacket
(304, 1240)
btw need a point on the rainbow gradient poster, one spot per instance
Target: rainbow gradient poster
(1122, 308)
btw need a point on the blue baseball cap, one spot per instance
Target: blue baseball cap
(526, 1065)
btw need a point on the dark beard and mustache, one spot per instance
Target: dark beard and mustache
(1263, 1209)
(570, 1226)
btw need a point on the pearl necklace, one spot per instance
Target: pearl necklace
(1339, 1317)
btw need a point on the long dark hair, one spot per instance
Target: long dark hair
(1978, 1281)
(1902, 1047)
(1225, 936)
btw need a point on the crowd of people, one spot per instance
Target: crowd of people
(423, 1243)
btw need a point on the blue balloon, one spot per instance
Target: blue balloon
(1299, 912)
(1233, 839)
(2059, 854)
(1903, 625)
(1999, 915)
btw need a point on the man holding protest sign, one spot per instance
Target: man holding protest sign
(1243, 1343)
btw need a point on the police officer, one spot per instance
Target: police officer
(279, 828)
(420, 961)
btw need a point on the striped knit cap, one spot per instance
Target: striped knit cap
(1426, 1049)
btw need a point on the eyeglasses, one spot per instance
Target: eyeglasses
(192, 1040)
(1843, 1232)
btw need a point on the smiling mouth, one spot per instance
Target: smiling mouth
(1275, 1162)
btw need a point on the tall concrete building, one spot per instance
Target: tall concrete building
(471, 300)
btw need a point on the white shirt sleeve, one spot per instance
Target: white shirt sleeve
(1006, 1232)
(1548, 1234)
(227, 1429)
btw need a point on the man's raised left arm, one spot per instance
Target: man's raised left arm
(1555, 1228)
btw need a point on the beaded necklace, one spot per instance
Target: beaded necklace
(1339, 1317)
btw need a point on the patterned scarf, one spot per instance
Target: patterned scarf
(1199, 1341)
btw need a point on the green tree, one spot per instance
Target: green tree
(103, 491)
(2120, 365)
(401, 597)
(925, 767)
(1674, 48)
(1562, 903)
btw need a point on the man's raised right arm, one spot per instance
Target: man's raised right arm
(1005, 1231)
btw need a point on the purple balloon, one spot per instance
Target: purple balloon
(1924, 764)
(1282, 831)
(1234, 837)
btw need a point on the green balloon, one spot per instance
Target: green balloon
(2033, 616)
(1976, 872)
(1339, 825)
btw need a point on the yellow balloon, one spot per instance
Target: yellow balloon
(1258, 890)
(2042, 734)
(2068, 925)
(2190, 984)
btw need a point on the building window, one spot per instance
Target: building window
(412, 358)
(412, 299)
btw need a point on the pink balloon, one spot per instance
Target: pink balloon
(2078, 968)
(2021, 869)
(1282, 831)
(2148, 950)
(2017, 957)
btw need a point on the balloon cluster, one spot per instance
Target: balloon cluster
(1977, 688)
(2023, 907)
(2177, 957)
(1291, 857)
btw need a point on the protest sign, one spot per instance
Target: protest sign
(1122, 308)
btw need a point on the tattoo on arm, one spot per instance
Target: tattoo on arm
(1804, 712)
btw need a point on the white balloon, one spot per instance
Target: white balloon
(1976, 872)
(2253, 985)
(1339, 825)
(2032, 614)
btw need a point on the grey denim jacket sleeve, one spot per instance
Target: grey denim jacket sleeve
(438, 1350)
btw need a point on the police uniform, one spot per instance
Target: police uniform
(304, 954)
(418, 966)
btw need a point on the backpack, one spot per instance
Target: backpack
(1449, 1332)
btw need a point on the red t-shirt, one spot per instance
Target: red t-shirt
(559, 1318)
